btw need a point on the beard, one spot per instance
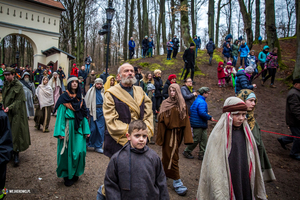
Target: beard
(127, 80)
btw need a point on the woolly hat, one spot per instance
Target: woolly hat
(150, 86)
(203, 90)
(192, 44)
(171, 77)
(229, 62)
(74, 64)
(249, 70)
(80, 77)
(297, 80)
(98, 80)
(220, 63)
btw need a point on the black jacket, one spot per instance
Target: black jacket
(61, 75)
(158, 86)
(210, 47)
(293, 108)
(145, 43)
(138, 77)
(166, 89)
(189, 57)
(175, 43)
(6, 145)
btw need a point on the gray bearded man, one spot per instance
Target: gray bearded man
(124, 103)
(94, 101)
(29, 90)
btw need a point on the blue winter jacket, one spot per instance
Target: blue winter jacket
(244, 50)
(262, 56)
(226, 52)
(259, 38)
(197, 42)
(131, 45)
(242, 82)
(199, 112)
(150, 44)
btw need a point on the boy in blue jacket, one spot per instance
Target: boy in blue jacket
(244, 51)
(198, 119)
(131, 45)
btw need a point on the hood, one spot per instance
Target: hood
(25, 73)
(266, 47)
(168, 82)
(235, 41)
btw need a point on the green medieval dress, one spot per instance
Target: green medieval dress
(71, 150)
(14, 98)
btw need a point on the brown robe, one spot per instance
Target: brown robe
(171, 130)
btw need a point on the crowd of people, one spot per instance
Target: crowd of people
(117, 117)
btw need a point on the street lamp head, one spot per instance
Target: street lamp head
(110, 11)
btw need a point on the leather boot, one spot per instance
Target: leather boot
(16, 159)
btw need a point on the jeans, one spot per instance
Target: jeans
(175, 51)
(272, 73)
(150, 52)
(87, 67)
(296, 142)
(200, 137)
(234, 60)
(144, 52)
(131, 53)
(188, 71)
(196, 51)
(245, 60)
(210, 57)
(169, 55)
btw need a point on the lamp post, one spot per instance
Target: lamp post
(17, 57)
(110, 11)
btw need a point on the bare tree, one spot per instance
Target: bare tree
(211, 18)
(257, 19)
(290, 8)
(296, 73)
(125, 37)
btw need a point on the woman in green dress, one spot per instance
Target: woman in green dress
(71, 130)
(248, 96)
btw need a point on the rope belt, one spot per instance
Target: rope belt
(66, 139)
(173, 137)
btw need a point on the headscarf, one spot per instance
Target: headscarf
(90, 99)
(244, 94)
(215, 178)
(73, 101)
(57, 81)
(26, 83)
(170, 102)
(44, 94)
(107, 83)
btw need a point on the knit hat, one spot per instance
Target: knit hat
(297, 80)
(229, 62)
(74, 64)
(220, 63)
(249, 70)
(72, 78)
(150, 86)
(192, 44)
(195, 35)
(203, 90)
(80, 77)
(171, 77)
(60, 67)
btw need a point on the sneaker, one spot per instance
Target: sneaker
(188, 155)
(262, 82)
(99, 150)
(68, 182)
(295, 156)
(180, 189)
(100, 196)
(272, 86)
(220, 85)
(46, 130)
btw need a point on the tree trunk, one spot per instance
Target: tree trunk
(230, 17)
(125, 42)
(257, 19)
(3, 51)
(163, 26)
(247, 23)
(185, 29)
(193, 18)
(297, 65)
(211, 19)
(218, 24)
(131, 18)
(173, 17)
(271, 27)
(72, 19)
(139, 25)
(145, 19)
(159, 29)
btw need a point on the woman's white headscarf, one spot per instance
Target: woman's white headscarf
(44, 94)
(215, 178)
(53, 82)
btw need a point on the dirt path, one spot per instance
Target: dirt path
(39, 161)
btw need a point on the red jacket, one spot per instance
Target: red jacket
(74, 71)
(221, 73)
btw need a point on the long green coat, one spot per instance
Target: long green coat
(14, 98)
(71, 158)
